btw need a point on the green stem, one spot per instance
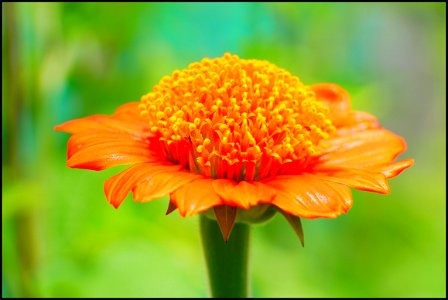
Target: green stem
(227, 263)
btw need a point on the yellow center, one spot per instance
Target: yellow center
(223, 116)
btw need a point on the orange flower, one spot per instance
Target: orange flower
(230, 133)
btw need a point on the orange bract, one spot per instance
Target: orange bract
(241, 133)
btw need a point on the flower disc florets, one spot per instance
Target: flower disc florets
(234, 118)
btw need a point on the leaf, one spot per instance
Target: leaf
(225, 215)
(296, 224)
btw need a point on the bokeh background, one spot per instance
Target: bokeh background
(64, 61)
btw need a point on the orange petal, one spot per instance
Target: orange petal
(357, 121)
(162, 184)
(118, 187)
(83, 124)
(225, 216)
(100, 150)
(130, 111)
(243, 194)
(361, 149)
(308, 196)
(101, 123)
(127, 119)
(393, 169)
(358, 179)
(195, 197)
(336, 98)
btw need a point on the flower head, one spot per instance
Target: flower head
(230, 133)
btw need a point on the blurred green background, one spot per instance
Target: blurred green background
(60, 237)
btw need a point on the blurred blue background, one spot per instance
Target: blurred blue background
(61, 61)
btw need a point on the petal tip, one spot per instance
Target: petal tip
(115, 204)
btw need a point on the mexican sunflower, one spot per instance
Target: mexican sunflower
(236, 135)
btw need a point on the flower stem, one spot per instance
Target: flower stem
(227, 263)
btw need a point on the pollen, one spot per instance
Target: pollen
(235, 118)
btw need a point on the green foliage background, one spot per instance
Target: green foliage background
(64, 61)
